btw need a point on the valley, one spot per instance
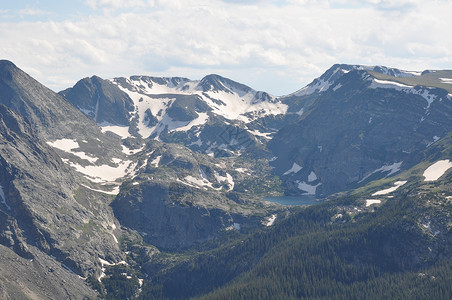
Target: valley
(171, 188)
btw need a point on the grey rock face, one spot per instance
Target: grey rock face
(356, 127)
(100, 100)
(180, 199)
(52, 115)
(186, 107)
(43, 201)
(39, 278)
(171, 217)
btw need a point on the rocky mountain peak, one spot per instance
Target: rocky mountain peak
(217, 83)
(6, 69)
(100, 100)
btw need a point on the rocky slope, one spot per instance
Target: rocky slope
(214, 115)
(44, 201)
(39, 278)
(389, 238)
(350, 124)
(357, 126)
(59, 173)
(122, 175)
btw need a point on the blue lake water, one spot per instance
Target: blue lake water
(294, 200)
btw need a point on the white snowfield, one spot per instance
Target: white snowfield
(231, 103)
(392, 169)
(96, 173)
(425, 92)
(308, 188)
(370, 202)
(122, 131)
(204, 182)
(68, 146)
(295, 169)
(269, 221)
(397, 184)
(435, 139)
(446, 80)
(319, 85)
(312, 177)
(114, 191)
(104, 173)
(388, 84)
(435, 171)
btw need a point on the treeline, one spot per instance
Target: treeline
(432, 284)
(316, 255)
(313, 256)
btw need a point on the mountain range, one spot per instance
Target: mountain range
(155, 187)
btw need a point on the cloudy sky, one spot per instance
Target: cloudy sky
(277, 46)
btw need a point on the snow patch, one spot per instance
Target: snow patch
(129, 151)
(68, 146)
(114, 191)
(176, 126)
(196, 143)
(2, 195)
(424, 92)
(237, 226)
(312, 177)
(295, 169)
(370, 202)
(392, 169)
(122, 131)
(300, 112)
(67, 268)
(241, 106)
(270, 220)
(230, 181)
(266, 135)
(435, 171)
(114, 238)
(309, 189)
(104, 263)
(104, 173)
(338, 86)
(446, 80)
(142, 103)
(197, 182)
(156, 161)
(65, 145)
(388, 84)
(435, 139)
(397, 184)
(410, 73)
(319, 86)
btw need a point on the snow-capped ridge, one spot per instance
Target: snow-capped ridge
(327, 79)
(149, 85)
(396, 72)
(179, 104)
(214, 82)
(330, 77)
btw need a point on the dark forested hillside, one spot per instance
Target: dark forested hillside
(317, 254)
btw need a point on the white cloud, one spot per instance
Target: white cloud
(115, 4)
(32, 12)
(276, 46)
